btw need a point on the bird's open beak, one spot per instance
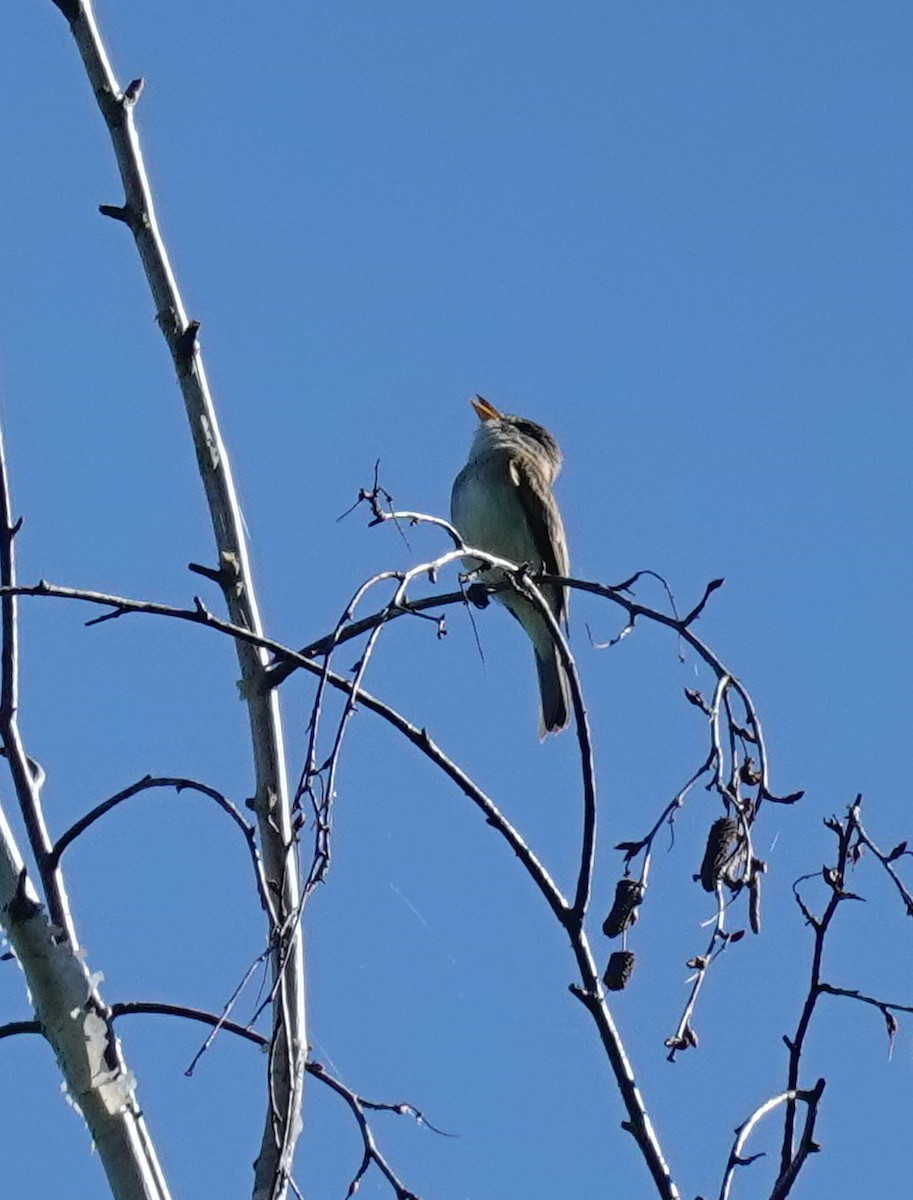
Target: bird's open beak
(484, 410)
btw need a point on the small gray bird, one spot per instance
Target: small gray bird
(502, 502)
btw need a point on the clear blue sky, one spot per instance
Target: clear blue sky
(677, 234)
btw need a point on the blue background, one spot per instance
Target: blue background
(677, 234)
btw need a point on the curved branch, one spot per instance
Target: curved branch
(199, 615)
(887, 860)
(743, 1132)
(180, 785)
(584, 740)
(356, 1103)
(155, 1008)
(278, 672)
(14, 1028)
(591, 993)
(371, 1153)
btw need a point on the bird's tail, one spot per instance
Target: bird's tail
(553, 691)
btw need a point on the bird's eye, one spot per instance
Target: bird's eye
(531, 430)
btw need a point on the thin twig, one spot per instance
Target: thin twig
(14, 1028)
(834, 878)
(684, 1036)
(371, 1154)
(887, 860)
(737, 1157)
(180, 785)
(356, 1103)
(590, 992)
(807, 1144)
(25, 780)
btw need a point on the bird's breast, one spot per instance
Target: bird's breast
(487, 511)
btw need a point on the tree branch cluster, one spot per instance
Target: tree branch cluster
(69, 1010)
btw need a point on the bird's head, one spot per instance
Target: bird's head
(505, 431)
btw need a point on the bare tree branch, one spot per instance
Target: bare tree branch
(834, 878)
(807, 1144)
(272, 799)
(730, 774)
(590, 991)
(180, 785)
(887, 860)
(356, 1103)
(851, 839)
(737, 1157)
(371, 1154)
(71, 1012)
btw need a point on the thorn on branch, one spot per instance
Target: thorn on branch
(133, 92)
(21, 907)
(212, 573)
(123, 213)
(108, 616)
(187, 344)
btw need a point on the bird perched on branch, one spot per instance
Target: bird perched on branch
(503, 502)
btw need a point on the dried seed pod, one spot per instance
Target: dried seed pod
(628, 895)
(754, 903)
(723, 835)
(618, 972)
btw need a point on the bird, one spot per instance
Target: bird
(503, 502)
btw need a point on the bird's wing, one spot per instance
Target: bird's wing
(541, 508)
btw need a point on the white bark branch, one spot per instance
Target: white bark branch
(77, 1025)
(271, 798)
(68, 1005)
